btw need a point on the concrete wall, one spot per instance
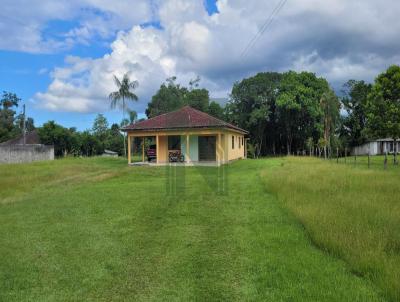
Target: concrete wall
(25, 153)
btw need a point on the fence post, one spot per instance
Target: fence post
(385, 161)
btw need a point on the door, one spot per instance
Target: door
(207, 148)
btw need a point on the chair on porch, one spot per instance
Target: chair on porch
(175, 156)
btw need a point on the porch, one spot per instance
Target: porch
(199, 147)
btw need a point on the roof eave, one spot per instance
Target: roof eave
(182, 128)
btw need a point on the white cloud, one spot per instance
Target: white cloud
(23, 23)
(338, 39)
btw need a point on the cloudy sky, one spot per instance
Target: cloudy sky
(59, 56)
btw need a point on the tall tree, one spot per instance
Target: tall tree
(383, 106)
(53, 134)
(354, 102)
(216, 110)
(100, 127)
(168, 98)
(298, 107)
(197, 98)
(8, 102)
(330, 106)
(114, 141)
(172, 96)
(252, 107)
(123, 94)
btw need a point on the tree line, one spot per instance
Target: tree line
(285, 113)
(297, 112)
(294, 112)
(91, 142)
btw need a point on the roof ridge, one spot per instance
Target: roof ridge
(194, 118)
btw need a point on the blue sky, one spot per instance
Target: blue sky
(27, 73)
(59, 57)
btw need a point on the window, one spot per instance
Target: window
(174, 142)
(233, 142)
(242, 140)
(238, 141)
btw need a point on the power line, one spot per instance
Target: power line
(264, 27)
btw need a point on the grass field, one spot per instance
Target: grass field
(97, 230)
(350, 211)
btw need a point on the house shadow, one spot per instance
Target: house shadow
(179, 178)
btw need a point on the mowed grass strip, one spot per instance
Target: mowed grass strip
(129, 237)
(348, 210)
(18, 180)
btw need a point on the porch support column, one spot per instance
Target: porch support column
(157, 148)
(187, 155)
(129, 149)
(245, 147)
(219, 149)
(143, 149)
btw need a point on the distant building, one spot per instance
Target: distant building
(109, 153)
(377, 147)
(23, 150)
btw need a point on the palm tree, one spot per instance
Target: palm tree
(123, 93)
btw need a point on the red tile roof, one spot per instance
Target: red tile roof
(186, 117)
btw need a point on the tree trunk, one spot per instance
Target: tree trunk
(289, 144)
(337, 155)
(273, 147)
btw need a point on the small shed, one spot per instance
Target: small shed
(378, 147)
(109, 153)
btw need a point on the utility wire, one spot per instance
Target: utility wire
(264, 27)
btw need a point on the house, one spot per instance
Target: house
(187, 135)
(377, 147)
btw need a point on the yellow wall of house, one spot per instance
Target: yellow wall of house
(163, 149)
(224, 149)
(238, 149)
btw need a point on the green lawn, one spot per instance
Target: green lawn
(350, 211)
(97, 230)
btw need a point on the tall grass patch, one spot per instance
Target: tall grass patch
(352, 213)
